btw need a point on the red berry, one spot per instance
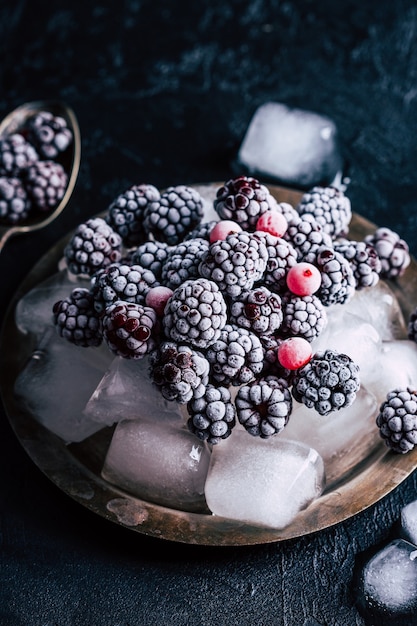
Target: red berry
(157, 297)
(303, 279)
(222, 229)
(272, 222)
(294, 352)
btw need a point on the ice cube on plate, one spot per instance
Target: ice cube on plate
(158, 462)
(262, 482)
(292, 146)
(408, 520)
(56, 383)
(396, 368)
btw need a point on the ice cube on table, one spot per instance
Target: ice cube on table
(396, 368)
(127, 392)
(295, 147)
(56, 383)
(408, 521)
(158, 462)
(262, 482)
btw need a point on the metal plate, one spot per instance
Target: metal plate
(76, 468)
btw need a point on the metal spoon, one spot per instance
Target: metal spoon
(71, 161)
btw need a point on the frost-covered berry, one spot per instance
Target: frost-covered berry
(126, 213)
(46, 183)
(222, 229)
(264, 406)
(49, 133)
(201, 231)
(151, 255)
(128, 329)
(303, 279)
(16, 155)
(397, 420)
(258, 310)
(76, 320)
(15, 204)
(243, 200)
(294, 352)
(337, 280)
(195, 314)
(392, 250)
(304, 316)
(213, 415)
(180, 372)
(120, 281)
(157, 298)
(281, 257)
(272, 222)
(176, 213)
(183, 261)
(93, 246)
(328, 382)
(364, 259)
(307, 236)
(330, 207)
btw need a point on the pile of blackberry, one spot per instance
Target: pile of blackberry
(212, 313)
(33, 178)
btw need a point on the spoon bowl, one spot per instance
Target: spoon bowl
(70, 160)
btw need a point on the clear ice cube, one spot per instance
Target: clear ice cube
(262, 482)
(56, 383)
(127, 392)
(158, 462)
(408, 520)
(296, 147)
(395, 368)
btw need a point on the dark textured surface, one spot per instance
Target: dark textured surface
(164, 92)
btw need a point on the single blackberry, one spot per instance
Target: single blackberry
(397, 420)
(281, 257)
(182, 262)
(392, 250)
(258, 310)
(306, 236)
(337, 280)
(15, 204)
(243, 200)
(16, 155)
(330, 207)
(49, 133)
(46, 183)
(236, 357)
(126, 213)
(120, 281)
(179, 372)
(213, 415)
(201, 231)
(235, 263)
(264, 406)
(151, 255)
(195, 313)
(328, 382)
(364, 260)
(303, 316)
(93, 246)
(76, 320)
(129, 329)
(175, 214)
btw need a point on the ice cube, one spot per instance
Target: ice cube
(126, 392)
(408, 520)
(158, 462)
(389, 580)
(56, 383)
(396, 368)
(262, 482)
(292, 146)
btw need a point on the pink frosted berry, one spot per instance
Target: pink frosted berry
(303, 279)
(157, 297)
(222, 229)
(272, 222)
(294, 352)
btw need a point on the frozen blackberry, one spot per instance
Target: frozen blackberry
(76, 320)
(392, 251)
(330, 207)
(364, 260)
(337, 280)
(281, 257)
(129, 329)
(213, 415)
(46, 183)
(15, 205)
(180, 372)
(49, 133)
(202, 231)
(258, 310)
(16, 155)
(182, 262)
(126, 213)
(236, 357)
(303, 316)
(151, 255)
(120, 281)
(264, 406)
(328, 382)
(235, 263)
(195, 313)
(243, 200)
(307, 236)
(93, 246)
(175, 214)
(397, 420)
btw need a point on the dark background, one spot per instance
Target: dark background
(163, 93)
